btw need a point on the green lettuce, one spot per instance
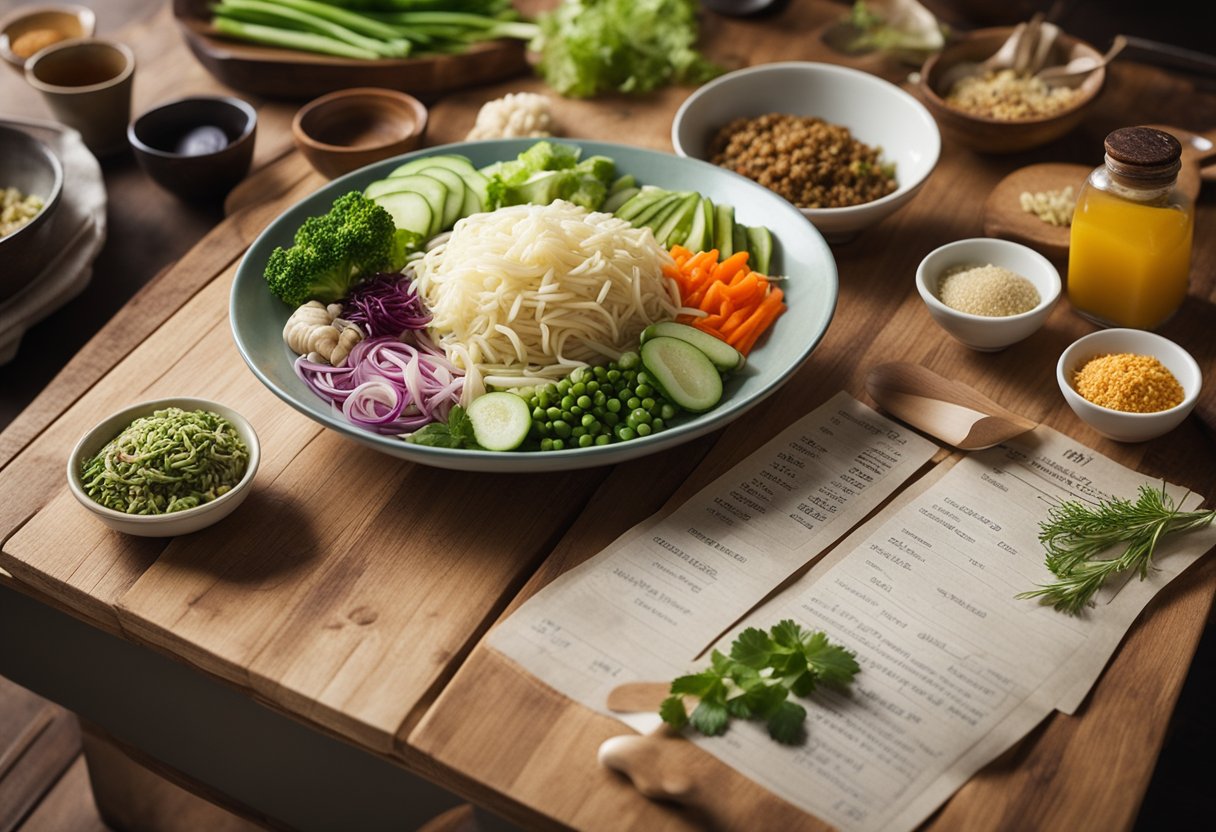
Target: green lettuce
(547, 171)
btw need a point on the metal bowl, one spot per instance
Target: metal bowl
(29, 166)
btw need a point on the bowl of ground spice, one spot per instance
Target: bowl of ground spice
(986, 292)
(166, 467)
(846, 147)
(29, 29)
(1000, 111)
(1129, 384)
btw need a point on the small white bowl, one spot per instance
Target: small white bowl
(177, 522)
(876, 112)
(1118, 424)
(982, 332)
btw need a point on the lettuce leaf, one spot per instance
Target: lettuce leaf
(547, 171)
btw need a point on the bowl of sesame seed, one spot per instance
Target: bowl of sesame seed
(1130, 385)
(987, 292)
(1000, 111)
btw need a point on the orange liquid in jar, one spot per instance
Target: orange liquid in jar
(1128, 262)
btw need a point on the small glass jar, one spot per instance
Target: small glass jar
(1130, 253)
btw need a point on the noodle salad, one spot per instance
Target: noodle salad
(509, 308)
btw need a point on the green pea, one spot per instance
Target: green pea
(613, 405)
(593, 386)
(611, 419)
(668, 411)
(624, 433)
(600, 373)
(658, 424)
(603, 439)
(563, 386)
(628, 360)
(578, 389)
(586, 440)
(644, 389)
(633, 403)
(578, 431)
(546, 444)
(599, 399)
(649, 404)
(614, 375)
(567, 402)
(558, 444)
(584, 401)
(561, 429)
(539, 427)
(641, 415)
(643, 429)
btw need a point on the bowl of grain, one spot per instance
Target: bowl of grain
(988, 293)
(1001, 111)
(1129, 384)
(846, 147)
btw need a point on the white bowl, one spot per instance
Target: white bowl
(876, 112)
(1118, 424)
(177, 522)
(982, 332)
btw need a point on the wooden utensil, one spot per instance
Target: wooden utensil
(663, 765)
(951, 411)
(1075, 71)
(1004, 217)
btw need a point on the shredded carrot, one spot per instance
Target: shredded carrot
(740, 304)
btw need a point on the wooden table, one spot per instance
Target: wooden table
(361, 619)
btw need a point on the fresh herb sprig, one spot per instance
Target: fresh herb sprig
(456, 432)
(1075, 534)
(755, 680)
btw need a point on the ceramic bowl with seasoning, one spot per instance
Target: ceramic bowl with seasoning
(30, 167)
(29, 29)
(985, 329)
(1122, 425)
(876, 113)
(177, 522)
(348, 129)
(198, 147)
(986, 133)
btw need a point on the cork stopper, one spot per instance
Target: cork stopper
(1143, 156)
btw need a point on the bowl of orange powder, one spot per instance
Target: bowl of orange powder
(1129, 384)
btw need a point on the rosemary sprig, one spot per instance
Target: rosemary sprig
(1074, 534)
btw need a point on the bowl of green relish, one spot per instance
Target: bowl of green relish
(165, 467)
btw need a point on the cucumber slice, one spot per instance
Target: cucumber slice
(501, 421)
(676, 226)
(724, 231)
(640, 202)
(700, 233)
(614, 201)
(660, 206)
(760, 244)
(454, 204)
(409, 210)
(739, 239)
(432, 190)
(721, 354)
(457, 164)
(682, 372)
(623, 183)
(479, 187)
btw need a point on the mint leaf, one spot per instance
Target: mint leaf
(804, 684)
(435, 435)
(785, 724)
(788, 634)
(710, 717)
(697, 684)
(673, 713)
(752, 647)
(760, 701)
(461, 427)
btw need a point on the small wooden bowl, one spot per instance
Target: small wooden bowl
(348, 129)
(64, 22)
(992, 135)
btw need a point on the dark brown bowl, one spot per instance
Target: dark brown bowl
(157, 137)
(345, 130)
(29, 166)
(992, 135)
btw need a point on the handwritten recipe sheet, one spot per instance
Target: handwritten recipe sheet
(955, 669)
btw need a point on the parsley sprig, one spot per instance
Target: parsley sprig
(1075, 534)
(755, 680)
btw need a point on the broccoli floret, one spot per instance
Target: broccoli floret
(334, 252)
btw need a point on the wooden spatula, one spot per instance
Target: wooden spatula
(949, 410)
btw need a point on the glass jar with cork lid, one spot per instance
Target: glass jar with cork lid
(1130, 251)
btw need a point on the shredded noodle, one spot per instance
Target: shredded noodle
(525, 294)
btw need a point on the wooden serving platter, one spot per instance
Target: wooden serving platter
(289, 74)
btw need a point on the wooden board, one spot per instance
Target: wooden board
(293, 75)
(1004, 217)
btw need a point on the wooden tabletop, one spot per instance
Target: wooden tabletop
(351, 590)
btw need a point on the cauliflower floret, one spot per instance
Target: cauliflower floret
(516, 114)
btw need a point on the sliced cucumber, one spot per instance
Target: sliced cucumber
(501, 421)
(614, 201)
(623, 183)
(432, 190)
(640, 202)
(701, 233)
(675, 227)
(682, 372)
(454, 205)
(668, 206)
(760, 244)
(457, 164)
(724, 231)
(409, 210)
(721, 354)
(655, 209)
(739, 239)
(478, 199)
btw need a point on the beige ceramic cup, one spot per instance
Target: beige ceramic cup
(87, 83)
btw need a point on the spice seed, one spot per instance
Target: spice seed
(991, 291)
(1128, 382)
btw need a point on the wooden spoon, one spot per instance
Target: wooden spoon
(1077, 70)
(949, 410)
